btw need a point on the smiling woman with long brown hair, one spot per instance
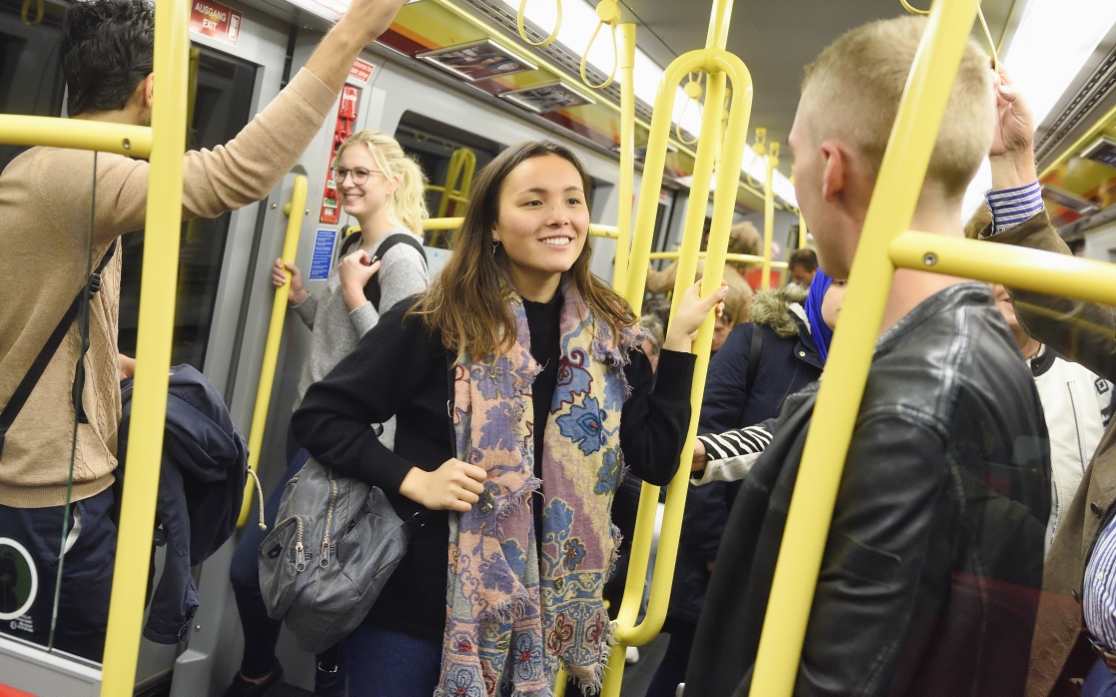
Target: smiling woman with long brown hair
(520, 394)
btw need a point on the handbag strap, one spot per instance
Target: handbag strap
(754, 354)
(27, 385)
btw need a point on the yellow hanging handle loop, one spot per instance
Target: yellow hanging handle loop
(39, 9)
(523, 29)
(980, 13)
(693, 90)
(608, 13)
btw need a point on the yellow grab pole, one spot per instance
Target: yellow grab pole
(718, 65)
(735, 258)
(153, 350)
(838, 403)
(769, 153)
(134, 141)
(627, 38)
(294, 210)
(802, 232)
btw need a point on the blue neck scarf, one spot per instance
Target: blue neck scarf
(819, 330)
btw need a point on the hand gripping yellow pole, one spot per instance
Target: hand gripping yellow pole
(294, 210)
(153, 349)
(627, 153)
(719, 66)
(893, 204)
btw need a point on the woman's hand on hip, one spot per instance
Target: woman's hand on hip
(455, 486)
(692, 311)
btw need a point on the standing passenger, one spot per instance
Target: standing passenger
(385, 191)
(45, 198)
(933, 560)
(519, 393)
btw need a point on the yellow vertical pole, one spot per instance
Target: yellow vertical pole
(295, 210)
(802, 232)
(627, 36)
(153, 349)
(838, 404)
(768, 153)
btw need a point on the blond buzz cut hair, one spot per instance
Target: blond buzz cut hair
(852, 93)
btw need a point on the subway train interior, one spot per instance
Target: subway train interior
(623, 84)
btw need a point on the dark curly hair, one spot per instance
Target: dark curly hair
(107, 50)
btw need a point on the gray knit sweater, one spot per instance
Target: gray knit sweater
(337, 329)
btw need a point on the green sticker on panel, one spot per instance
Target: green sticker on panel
(19, 580)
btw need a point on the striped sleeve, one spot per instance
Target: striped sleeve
(742, 441)
(1098, 601)
(1011, 207)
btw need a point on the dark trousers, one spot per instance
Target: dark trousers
(387, 663)
(1100, 682)
(672, 670)
(31, 550)
(261, 633)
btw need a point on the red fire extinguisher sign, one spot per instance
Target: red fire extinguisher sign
(346, 121)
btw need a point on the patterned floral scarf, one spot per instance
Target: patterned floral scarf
(514, 619)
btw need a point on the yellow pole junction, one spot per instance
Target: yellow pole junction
(770, 155)
(838, 403)
(295, 210)
(627, 153)
(720, 67)
(462, 166)
(153, 349)
(802, 232)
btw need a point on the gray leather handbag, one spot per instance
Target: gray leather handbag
(335, 545)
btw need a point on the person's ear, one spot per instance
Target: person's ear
(836, 171)
(147, 88)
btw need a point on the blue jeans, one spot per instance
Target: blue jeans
(86, 574)
(261, 633)
(387, 663)
(1100, 682)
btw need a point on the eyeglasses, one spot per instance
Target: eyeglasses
(359, 174)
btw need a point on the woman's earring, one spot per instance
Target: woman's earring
(495, 246)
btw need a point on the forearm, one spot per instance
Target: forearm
(1013, 169)
(654, 421)
(334, 57)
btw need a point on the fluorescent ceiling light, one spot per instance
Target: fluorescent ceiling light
(1054, 40)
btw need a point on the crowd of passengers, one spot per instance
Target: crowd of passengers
(513, 403)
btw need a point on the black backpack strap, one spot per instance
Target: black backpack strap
(27, 385)
(372, 288)
(754, 355)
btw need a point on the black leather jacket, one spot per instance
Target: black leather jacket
(930, 577)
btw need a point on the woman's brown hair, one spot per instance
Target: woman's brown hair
(466, 302)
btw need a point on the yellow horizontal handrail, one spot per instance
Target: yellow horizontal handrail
(80, 134)
(165, 142)
(735, 258)
(271, 348)
(1015, 267)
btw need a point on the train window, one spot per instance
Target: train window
(30, 73)
(221, 107)
(433, 143)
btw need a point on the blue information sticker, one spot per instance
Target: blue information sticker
(323, 255)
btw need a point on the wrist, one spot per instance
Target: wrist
(354, 297)
(413, 484)
(1012, 170)
(677, 342)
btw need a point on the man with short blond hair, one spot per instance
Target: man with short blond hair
(928, 584)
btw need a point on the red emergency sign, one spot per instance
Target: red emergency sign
(215, 20)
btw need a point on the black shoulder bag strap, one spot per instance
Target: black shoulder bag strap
(372, 288)
(754, 355)
(19, 397)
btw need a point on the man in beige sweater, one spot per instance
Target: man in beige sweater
(45, 201)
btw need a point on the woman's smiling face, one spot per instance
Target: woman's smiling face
(543, 219)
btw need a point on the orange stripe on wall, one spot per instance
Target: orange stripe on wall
(414, 36)
(12, 692)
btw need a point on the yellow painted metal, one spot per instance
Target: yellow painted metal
(462, 166)
(1017, 267)
(1085, 140)
(720, 67)
(736, 258)
(519, 22)
(627, 153)
(134, 141)
(608, 14)
(153, 349)
(770, 154)
(294, 209)
(560, 682)
(893, 204)
(802, 232)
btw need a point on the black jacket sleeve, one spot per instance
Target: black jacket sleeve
(655, 418)
(367, 387)
(726, 387)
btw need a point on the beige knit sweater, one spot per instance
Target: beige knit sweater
(45, 198)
